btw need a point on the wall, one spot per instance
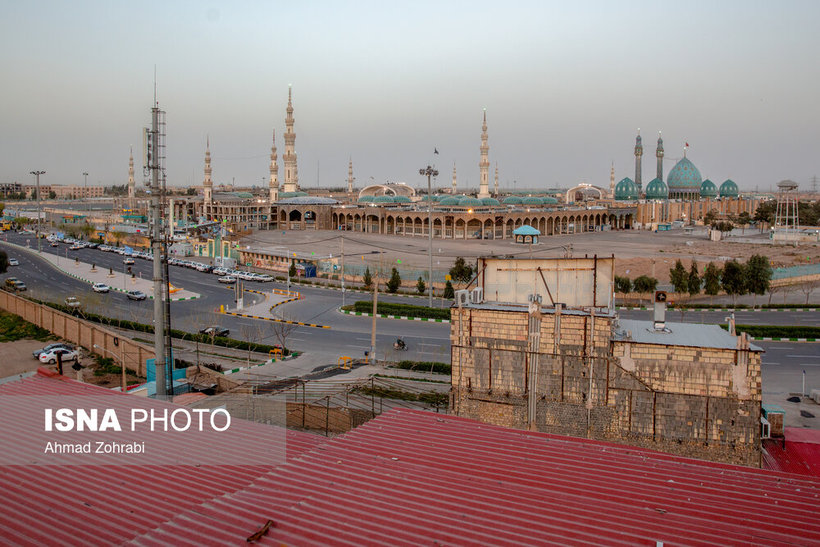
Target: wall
(696, 402)
(80, 332)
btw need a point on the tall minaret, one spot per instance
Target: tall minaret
(612, 181)
(638, 155)
(350, 178)
(291, 173)
(659, 155)
(496, 180)
(484, 164)
(454, 178)
(207, 183)
(131, 188)
(273, 183)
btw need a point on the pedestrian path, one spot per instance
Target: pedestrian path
(264, 310)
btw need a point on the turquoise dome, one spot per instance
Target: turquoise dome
(684, 177)
(729, 189)
(449, 201)
(363, 199)
(382, 199)
(401, 199)
(469, 202)
(626, 190)
(489, 201)
(708, 189)
(532, 201)
(656, 189)
(512, 200)
(550, 200)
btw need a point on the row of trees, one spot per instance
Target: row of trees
(808, 214)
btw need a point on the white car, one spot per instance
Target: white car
(227, 279)
(13, 262)
(64, 353)
(128, 260)
(100, 287)
(220, 271)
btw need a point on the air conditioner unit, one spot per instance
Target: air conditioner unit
(477, 296)
(534, 298)
(462, 297)
(765, 428)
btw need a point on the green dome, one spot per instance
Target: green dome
(297, 194)
(382, 199)
(708, 189)
(489, 201)
(469, 202)
(656, 189)
(549, 200)
(729, 189)
(401, 199)
(532, 201)
(512, 200)
(684, 177)
(450, 200)
(626, 190)
(363, 199)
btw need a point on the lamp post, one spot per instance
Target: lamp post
(430, 172)
(85, 188)
(37, 174)
(121, 359)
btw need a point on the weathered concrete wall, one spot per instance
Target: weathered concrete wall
(697, 402)
(80, 332)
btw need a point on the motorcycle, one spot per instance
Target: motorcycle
(400, 345)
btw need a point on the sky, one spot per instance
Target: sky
(565, 85)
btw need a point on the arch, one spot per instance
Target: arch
(295, 215)
(460, 228)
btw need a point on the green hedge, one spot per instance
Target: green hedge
(776, 331)
(748, 307)
(407, 310)
(425, 366)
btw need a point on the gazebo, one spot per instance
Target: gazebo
(526, 234)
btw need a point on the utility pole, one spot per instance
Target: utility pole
(39, 213)
(343, 271)
(430, 172)
(85, 187)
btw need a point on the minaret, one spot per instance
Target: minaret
(273, 183)
(131, 189)
(612, 181)
(208, 184)
(659, 155)
(291, 174)
(454, 178)
(350, 178)
(496, 180)
(484, 164)
(638, 155)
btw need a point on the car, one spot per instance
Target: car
(93, 245)
(64, 353)
(55, 244)
(215, 330)
(19, 286)
(128, 260)
(100, 287)
(73, 302)
(227, 279)
(10, 281)
(13, 262)
(220, 271)
(136, 295)
(75, 247)
(50, 347)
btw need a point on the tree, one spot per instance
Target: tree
(623, 284)
(807, 288)
(694, 281)
(191, 191)
(118, 236)
(2, 208)
(283, 329)
(87, 230)
(52, 195)
(420, 285)
(645, 284)
(448, 291)
(765, 212)
(710, 217)
(367, 279)
(733, 280)
(711, 279)
(743, 220)
(678, 277)
(723, 226)
(292, 269)
(4, 262)
(461, 272)
(758, 275)
(33, 195)
(395, 281)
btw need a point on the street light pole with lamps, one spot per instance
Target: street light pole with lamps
(37, 174)
(121, 359)
(85, 188)
(430, 172)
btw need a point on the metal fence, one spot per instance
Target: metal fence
(796, 271)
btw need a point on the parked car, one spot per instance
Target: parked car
(64, 353)
(227, 279)
(220, 271)
(128, 260)
(19, 286)
(50, 347)
(100, 287)
(136, 295)
(55, 244)
(73, 302)
(10, 281)
(13, 262)
(215, 330)
(75, 247)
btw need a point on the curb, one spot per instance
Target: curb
(268, 362)
(725, 309)
(767, 339)
(365, 314)
(274, 320)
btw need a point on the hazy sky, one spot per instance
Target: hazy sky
(565, 85)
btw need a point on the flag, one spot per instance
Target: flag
(687, 145)
(435, 150)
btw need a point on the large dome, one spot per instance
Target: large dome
(729, 189)
(657, 189)
(626, 190)
(512, 200)
(708, 189)
(684, 177)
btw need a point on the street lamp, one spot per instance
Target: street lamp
(37, 174)
(121, 360)
(85, 191)
(430, 172)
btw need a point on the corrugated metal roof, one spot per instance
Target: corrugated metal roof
(410, 478)
(798, 453)
(680, 334)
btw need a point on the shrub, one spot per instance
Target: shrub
(407, 310)
(394, 282)
(623, 284)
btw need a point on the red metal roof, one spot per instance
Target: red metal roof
(409, 478)
(798, 453)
